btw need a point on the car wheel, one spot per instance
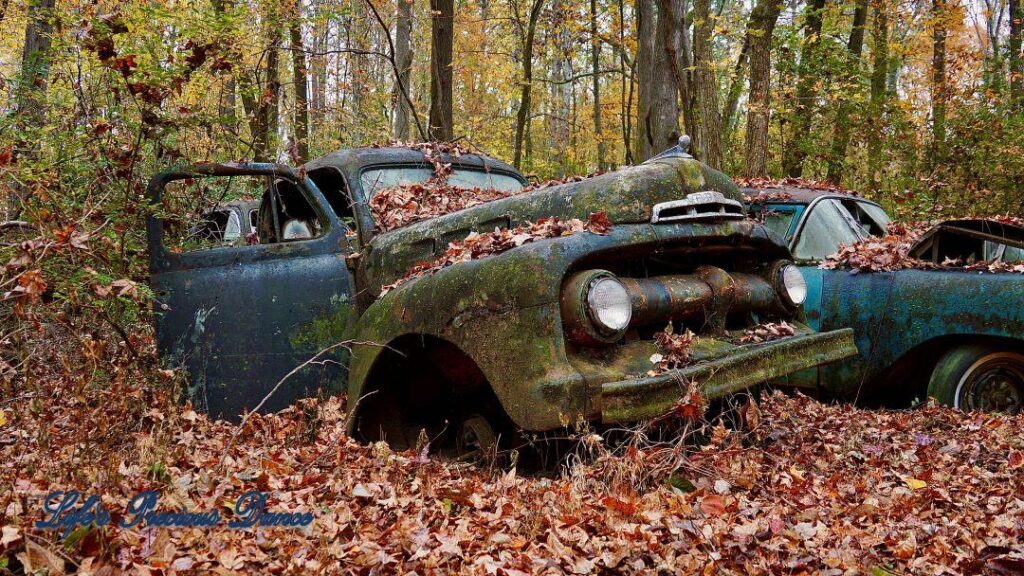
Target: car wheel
(979, 378)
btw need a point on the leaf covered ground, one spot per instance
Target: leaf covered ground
(807, 488)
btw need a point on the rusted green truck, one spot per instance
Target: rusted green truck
(550, 332)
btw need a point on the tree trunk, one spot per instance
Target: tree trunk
(595, 67)
(939, 89)
(35, 64)
(403, 60)
(645, 45)
(680, 61)
(441, 38)
(300, 75)
(560, 100)
(707, 86)
(359, 70)
(625, 99)
(808, 74)
(841, 130)
(1016, 57)
(879, 93)
(657, 78)
(523, 114)
(732, 101)
(762, 27)
(260, 92)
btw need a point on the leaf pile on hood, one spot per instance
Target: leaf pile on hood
(673, 350)
(481, 245)
(559, 181)
(767, 332)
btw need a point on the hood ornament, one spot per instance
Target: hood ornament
(680, 150)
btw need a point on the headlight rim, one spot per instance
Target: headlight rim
(779, 280)
(577, 323)
(599, 325)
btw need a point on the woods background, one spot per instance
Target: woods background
(918, 104)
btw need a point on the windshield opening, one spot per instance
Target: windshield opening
(376, 179)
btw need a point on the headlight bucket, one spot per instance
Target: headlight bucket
(789, 283)
(596, 308)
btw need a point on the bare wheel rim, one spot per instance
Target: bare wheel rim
(995, 383)
(476, 438)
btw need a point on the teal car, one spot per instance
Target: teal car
(952, 333)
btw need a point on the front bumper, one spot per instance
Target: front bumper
(743, 367)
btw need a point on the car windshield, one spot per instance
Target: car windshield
(779, 219)
(826, 228)
(376, 179)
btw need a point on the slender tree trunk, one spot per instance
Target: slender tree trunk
(260, 92)
(359, 70)
(625, 100)
(939, 88)
(841, 130)
(595, 67)
(645, 46)
(761, 29)
(441, 38)
(732, 101)
(403, 60)
(808, 75)
(300, 74)
(879, 92)
(560, 100)
(227, 98)
(35, 63)
(707, 86)
(523, 114)
(1016, 57)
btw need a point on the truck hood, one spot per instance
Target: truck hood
(631, 195)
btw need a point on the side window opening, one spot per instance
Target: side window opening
(331, 183)
(871, 219)
(205, 212)
(286, 215)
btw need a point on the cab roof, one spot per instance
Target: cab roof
(348, 159)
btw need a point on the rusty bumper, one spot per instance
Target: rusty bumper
(649, 397)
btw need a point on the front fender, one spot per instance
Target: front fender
(503, 312)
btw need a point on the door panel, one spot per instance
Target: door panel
(239, 319)
(857, 301)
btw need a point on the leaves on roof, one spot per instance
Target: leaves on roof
(789, 182)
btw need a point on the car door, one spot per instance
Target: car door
(241, 319)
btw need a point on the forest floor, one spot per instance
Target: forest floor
(805, 488)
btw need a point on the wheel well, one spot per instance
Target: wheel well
(906, 380)
(420, 382)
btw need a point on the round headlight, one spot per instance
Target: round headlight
(608, 305)
(794, 288)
